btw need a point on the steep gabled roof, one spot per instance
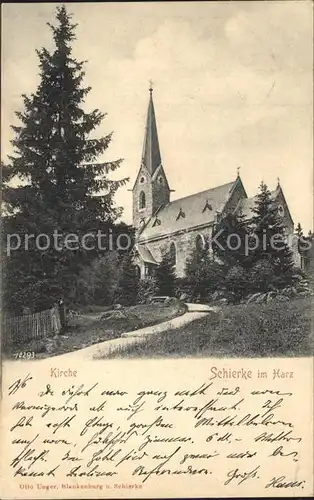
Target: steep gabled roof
(145, 254)
(279, 193)
(160, 171)
(246, 205)
(186, 213)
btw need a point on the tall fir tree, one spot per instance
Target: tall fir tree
(61, 177)
(268, 231)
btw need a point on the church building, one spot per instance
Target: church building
(179, 226)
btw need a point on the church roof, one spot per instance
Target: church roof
(151, 153)
(246, 205)
(186, 213)
(145, 254)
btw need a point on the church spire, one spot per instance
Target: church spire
(151, 153)
(151, 189)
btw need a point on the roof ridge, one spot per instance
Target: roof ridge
(250, 198)
(199, 192)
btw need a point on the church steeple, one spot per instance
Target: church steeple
(151, 189)
(151, 158)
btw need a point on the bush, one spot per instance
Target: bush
(199, 286)
(147, 288)
(236, 284)
(209, 279)
(185, 287)
(261, 277)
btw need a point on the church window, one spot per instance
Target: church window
(142, 179)
(199, 242)
(180, 214)
(138, 271)
(173, 254)
(207, 206)
(142, 200)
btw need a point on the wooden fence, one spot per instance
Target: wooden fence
(31, 327)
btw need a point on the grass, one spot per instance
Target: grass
(247, 330)
(88, 329)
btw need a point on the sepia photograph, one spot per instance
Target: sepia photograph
(157, 219)
(182, 223)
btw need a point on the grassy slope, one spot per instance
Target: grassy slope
(89, 329)
(253, 330)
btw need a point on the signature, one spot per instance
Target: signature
(239, 477)
(281, 482)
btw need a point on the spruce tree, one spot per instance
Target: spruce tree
(197, 262)
(203, 274)
(299, 230)
(128, 282)
(229, 237)
(268, 230)
(165, 276)
(59, 170)
(302, 242)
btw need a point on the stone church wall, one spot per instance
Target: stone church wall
(156, 194)
(185, 243)
(145, 212)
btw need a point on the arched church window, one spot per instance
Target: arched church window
(281, 210)
(173, 254)
(142, 200)
(199, 242)
(137, 271)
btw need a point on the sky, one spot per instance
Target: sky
(233, 86)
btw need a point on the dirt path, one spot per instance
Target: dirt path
(96, 351)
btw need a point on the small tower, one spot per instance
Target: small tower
(151, 189)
